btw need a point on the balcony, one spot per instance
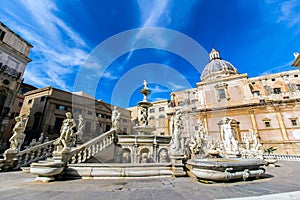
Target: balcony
(10, 71)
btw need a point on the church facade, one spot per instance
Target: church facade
(267, 105)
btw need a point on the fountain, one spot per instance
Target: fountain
(142, 146)
(220, 160)
(144, 129)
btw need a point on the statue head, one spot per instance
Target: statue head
(68, 115)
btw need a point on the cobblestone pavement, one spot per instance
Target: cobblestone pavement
(283, 182)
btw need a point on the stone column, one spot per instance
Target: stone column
(204, 119)
(281, 124)
(253, 121)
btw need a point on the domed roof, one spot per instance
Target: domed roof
(217, 67)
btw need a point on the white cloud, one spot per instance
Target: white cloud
(108, 75)
(58, 49)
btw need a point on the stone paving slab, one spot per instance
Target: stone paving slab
(282, 181)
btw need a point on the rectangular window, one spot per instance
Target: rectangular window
(161, 109)
(294, 122)
(77, 110)
(89, 112)
(29, 101)
(60, 107)
(267, 124)
(152, 110)
(181, 103)
(43, 98)
(196, 128)
(194, 102)
(2, 34)
(256, 93)
(222, 94)
(20, 104)
(58, 123)
(161, 116)
(277, 90)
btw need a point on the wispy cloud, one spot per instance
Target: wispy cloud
(161, 13)
(152, 12)
(176, 87)
(280, 68)
(158, 89)
(109, 76)
(156, 98)
(286, 12)
(54, 58)
(290, 13)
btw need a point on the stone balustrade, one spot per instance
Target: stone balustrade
(35, 153)
(86, 151)
(14, 159)
(282, 157)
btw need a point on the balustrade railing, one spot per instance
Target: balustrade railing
(35, 153)
(86, 151)
(282, 157)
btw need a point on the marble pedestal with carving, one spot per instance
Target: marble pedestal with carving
(10, 160)
(47, 170)
(177, 165)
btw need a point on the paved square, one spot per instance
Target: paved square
(278, 183)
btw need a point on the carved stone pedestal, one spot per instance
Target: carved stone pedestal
(48, 170)
(177, 165)
(10, 160)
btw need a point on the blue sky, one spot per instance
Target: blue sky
(69, 36)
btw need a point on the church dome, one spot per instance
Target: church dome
(217, 68)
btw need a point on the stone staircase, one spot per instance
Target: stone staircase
(48, 170)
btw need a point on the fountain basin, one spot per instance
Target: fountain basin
(223, 169)
(46, 170)
(118, 170)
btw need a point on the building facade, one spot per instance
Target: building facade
(269, 104)
(45, 109)
(14, 52)
(15, 111)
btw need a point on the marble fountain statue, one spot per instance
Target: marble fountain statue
(110, 155)
(142, 154)
(220, 160)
